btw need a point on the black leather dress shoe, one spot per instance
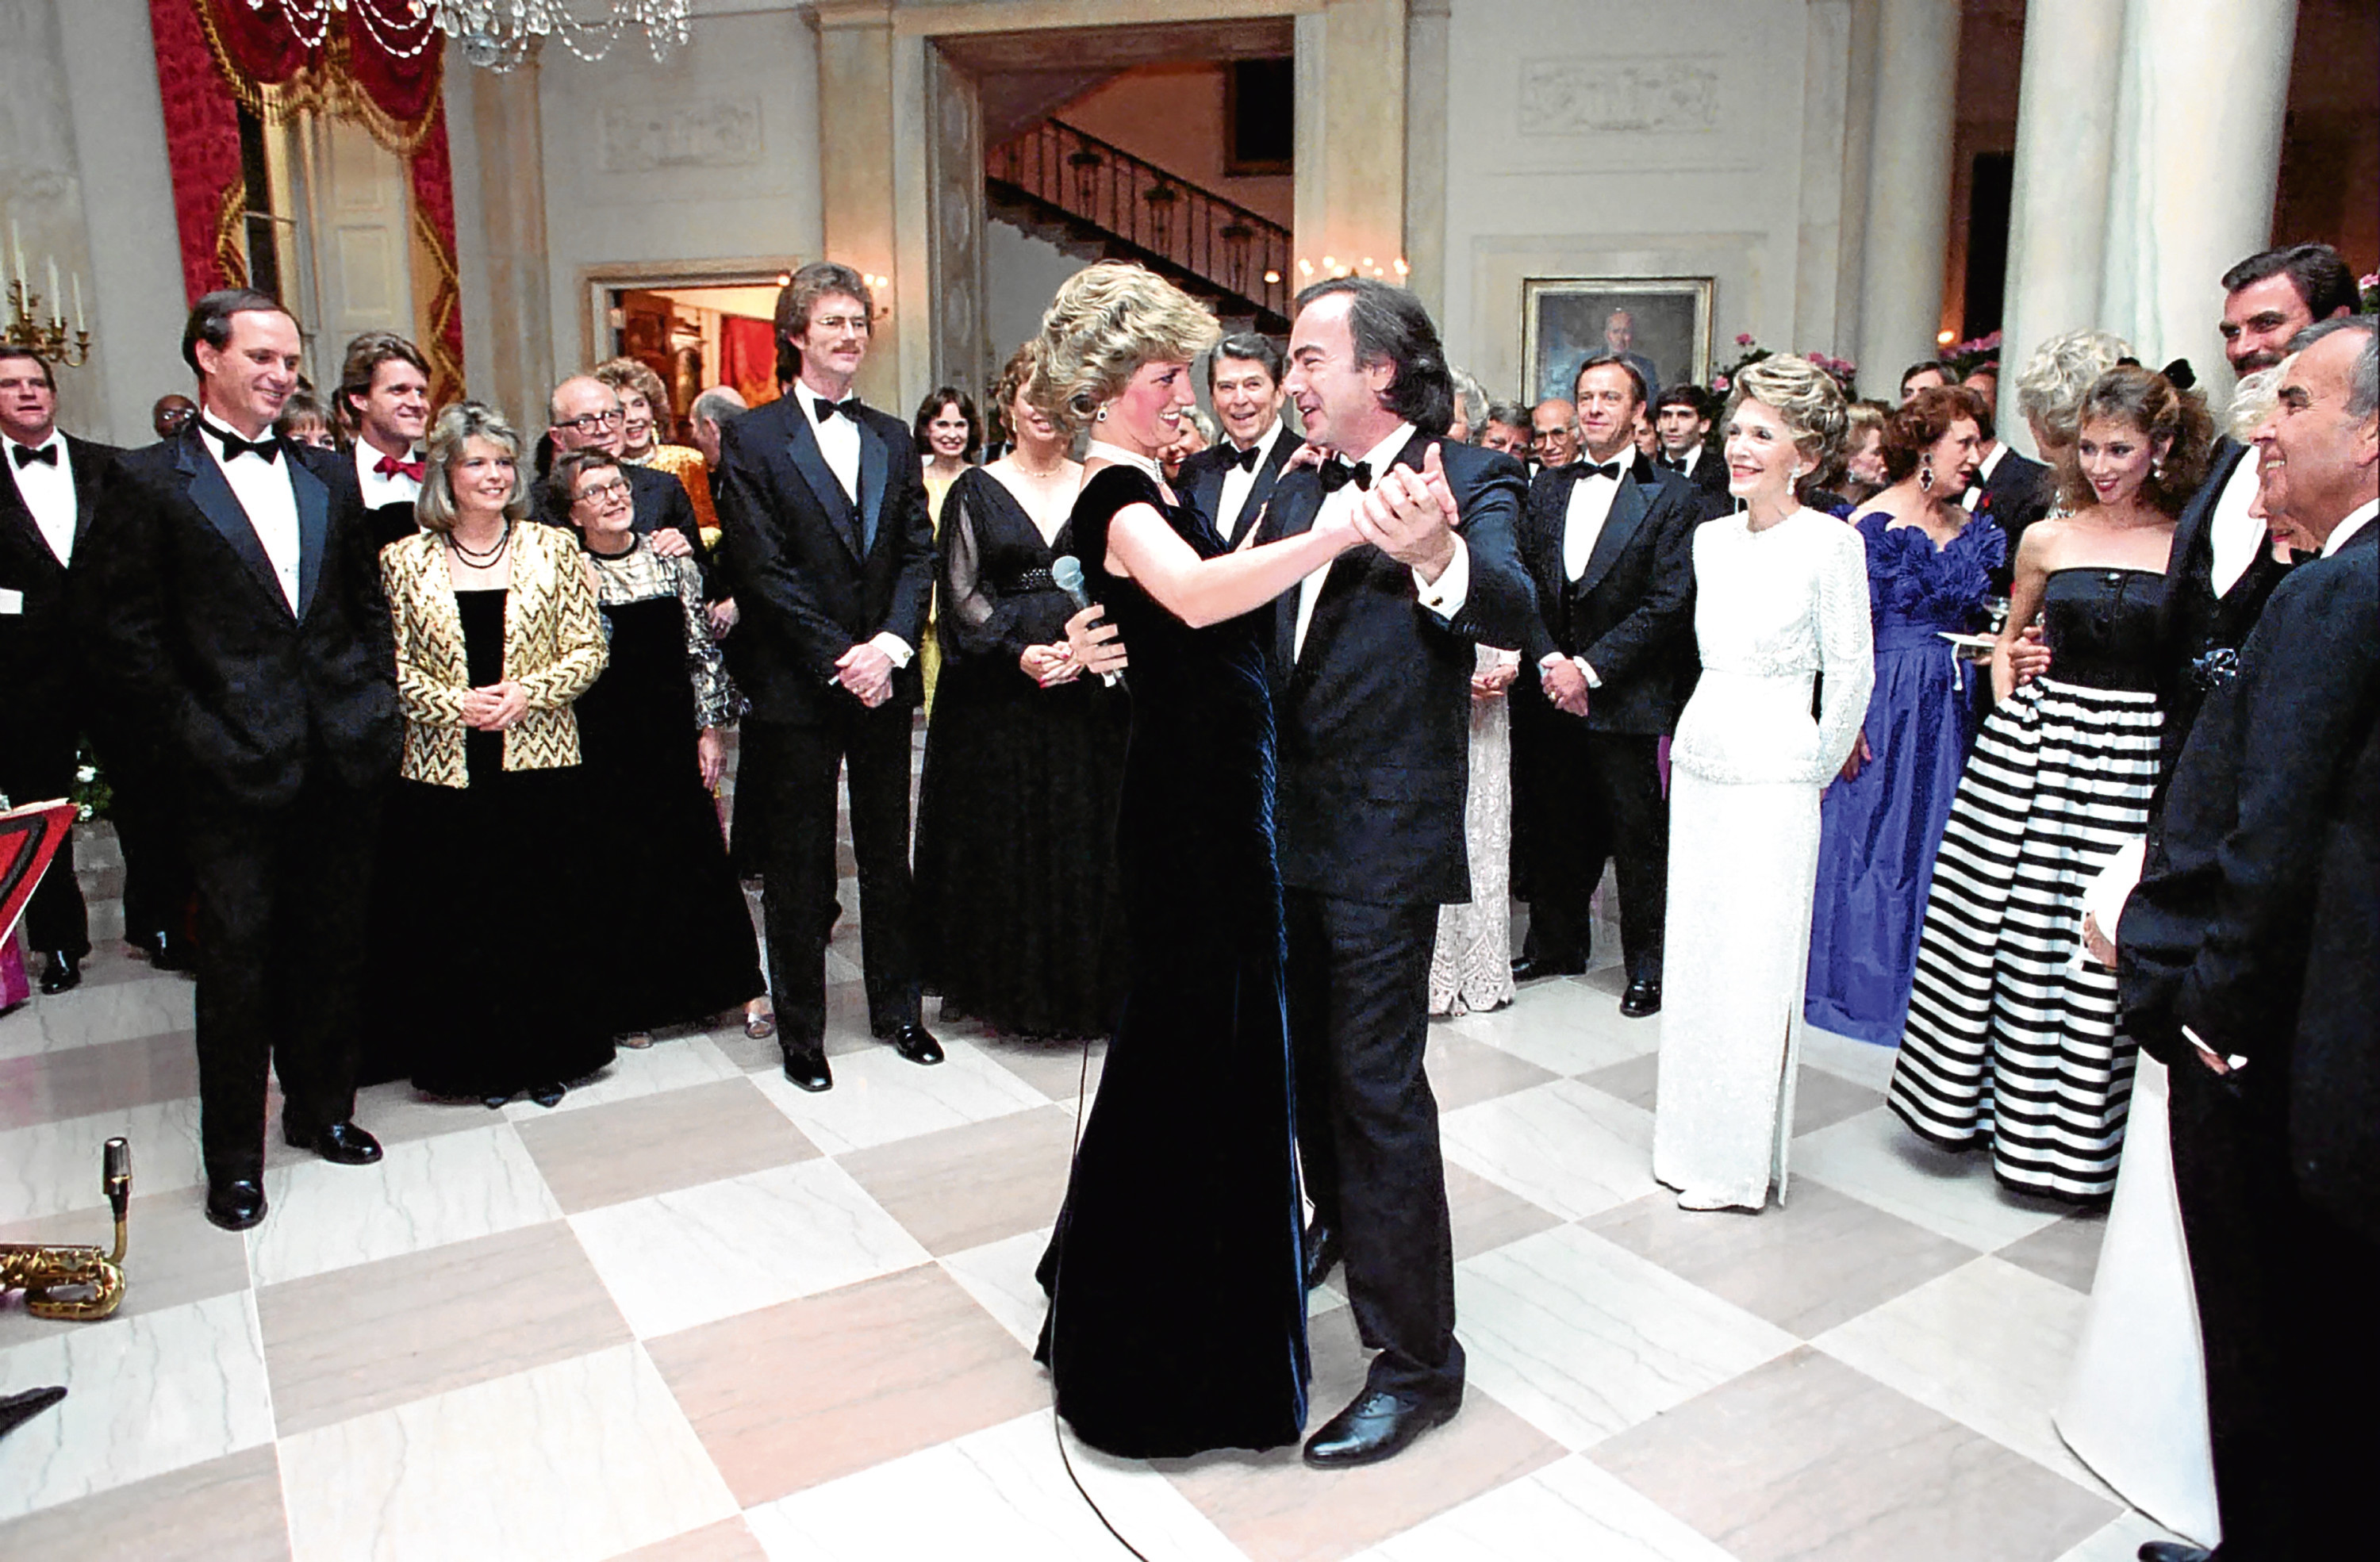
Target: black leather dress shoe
(1322, 1248)
(64, 971)
(1529, 967)
(1641, 998)
(342, 1142)
(1378, 1426)
(167, 953)
(917, 1043)
(2173, 1551)
(15, 1409)
(808, 1069)
(237, 1204)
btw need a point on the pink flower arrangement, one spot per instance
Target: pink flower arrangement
(2369, 287)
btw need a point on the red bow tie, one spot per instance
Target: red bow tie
(390, 467)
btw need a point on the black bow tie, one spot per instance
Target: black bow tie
(1589, 469)
(1245, 460)
(233, 445)
(1674, 463)
(849, 407)
(1336, 475)
(27, 454)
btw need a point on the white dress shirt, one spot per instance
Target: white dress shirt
(263, 490)
(838, 440)
(1690, 460)
(1590, 506)
(1238, 484)
(1444, 597)
(2233, 534)
(382, 488)
(48, 491)
(2357, 519)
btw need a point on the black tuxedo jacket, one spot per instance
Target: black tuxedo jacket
(2334, 1063)
(2191, 621)
(2017, 494)
(196, 641)
(813, 574)
(1709, 476)
(2216, 937)
(1630, 612)
(1202, 479)
(1374, 719)
(42, 650)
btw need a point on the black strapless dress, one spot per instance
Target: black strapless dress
(1177, 1316)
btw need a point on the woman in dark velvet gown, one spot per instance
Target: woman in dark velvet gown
(1018, 906)
(1177, 1316)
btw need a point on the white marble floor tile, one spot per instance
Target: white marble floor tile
(665, 1065)
(1564, 1025)
(50, 1168)
(1569, 1509)
(880, 1096)
(699, 1255)
(1564, 1146)
(1000, 1276)
(424, 1193)
(2121, 1540)
(569, 1462)
(1584, 1338)
(97, 1012)
(999, 1496)
(148, 1393)
(1876, 1157)
(1988, 1345)
(1860, 1062)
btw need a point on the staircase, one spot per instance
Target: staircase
(1094, 198)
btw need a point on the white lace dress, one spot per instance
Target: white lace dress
(1773, 609)
(1471, 969)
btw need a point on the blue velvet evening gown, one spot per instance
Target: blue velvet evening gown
(1177, 1319)
(1879, 832)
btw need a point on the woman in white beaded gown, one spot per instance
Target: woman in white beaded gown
(1471, 968)
(1780, 598)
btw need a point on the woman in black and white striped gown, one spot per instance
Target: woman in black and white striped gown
(2011, 1040)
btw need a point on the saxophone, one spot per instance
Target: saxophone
(37, 1270)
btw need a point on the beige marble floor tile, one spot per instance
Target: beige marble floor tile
(1989, 1345)
(172, 1257)
(2121, 1540)
(1000, 1276)
(681, 1259)
(148, 1394)
(794, 1396)
(396, 1113)
(1876, 1158)
(659, 1142)
(1488, 1215)
(1862, 1062)
(1564, 1146)
(880, 1096)
(422, 1192)
(224, 1509)
(371, 1336)
(49, 1168)
(1569, 1509)
(673, 1064)
(576, 1459)
(1054, 1068)
(103, 1077)
(730, 1540)
(1820, 1100)
(1631, 1081)
(1818, 1260)
(1276, 1509)
(2066, 1251)
(1562, 1026)
(959, 1188)
(1464, 1071)
(1805, 1458)
(98, 1012)
(1585, 1338)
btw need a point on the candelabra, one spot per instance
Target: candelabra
(50, 338)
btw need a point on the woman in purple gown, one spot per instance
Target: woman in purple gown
(1928, 571)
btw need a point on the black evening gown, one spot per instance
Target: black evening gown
(1177, 1313)
(658, 854)
(489, 897)
(1017, 892)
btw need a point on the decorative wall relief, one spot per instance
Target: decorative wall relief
(1600, 96)
(645, 140)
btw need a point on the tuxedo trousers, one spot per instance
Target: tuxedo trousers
(1588, 797)
(37, 763)
(285, 896)
(792, 786)
(2283, 1311)
(1358, 981)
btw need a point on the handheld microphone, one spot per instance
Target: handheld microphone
(1066, 572)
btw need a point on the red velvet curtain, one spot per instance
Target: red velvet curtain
(216, 56)
(747, 352)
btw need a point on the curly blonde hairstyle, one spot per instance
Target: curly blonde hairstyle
(1106, 321)
(1806, 397)
(2050, 390)
(2153, 403)
(635, 374)
(443, 446)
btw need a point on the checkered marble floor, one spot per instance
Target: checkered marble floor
(696, 1313)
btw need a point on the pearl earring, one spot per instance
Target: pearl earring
(1099, 417)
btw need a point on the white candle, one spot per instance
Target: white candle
(79, 327)
(57, 310)
(17, 247)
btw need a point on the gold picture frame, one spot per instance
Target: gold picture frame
(1564, 318)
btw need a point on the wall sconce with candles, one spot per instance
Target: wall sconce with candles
(1332, 267)
(48, 339)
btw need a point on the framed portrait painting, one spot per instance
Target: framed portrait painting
(1662, 324)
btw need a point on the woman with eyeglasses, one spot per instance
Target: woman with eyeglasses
(497, 634)
(652, 731)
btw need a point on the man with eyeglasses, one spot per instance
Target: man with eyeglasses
(585, 413)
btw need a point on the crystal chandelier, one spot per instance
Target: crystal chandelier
(497, 34)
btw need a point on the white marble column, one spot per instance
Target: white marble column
(2204, 89)
(1909, 185)
(1430, 24)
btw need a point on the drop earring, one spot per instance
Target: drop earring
(1925, 476)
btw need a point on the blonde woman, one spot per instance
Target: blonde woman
(497, 632)
(644, 404)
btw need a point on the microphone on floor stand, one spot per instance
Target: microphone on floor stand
(1066, 572)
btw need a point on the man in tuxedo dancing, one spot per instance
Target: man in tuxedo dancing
(239, 615)
(383, 397)
(2230, 974)
(1372, 687)
(49, 484)
(1230, 481)
(823, 506)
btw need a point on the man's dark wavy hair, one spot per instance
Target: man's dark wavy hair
(1389, 325)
